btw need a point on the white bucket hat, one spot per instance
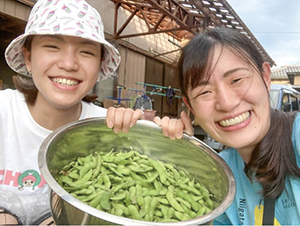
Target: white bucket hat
(63, 17)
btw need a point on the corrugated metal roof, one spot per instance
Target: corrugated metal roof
(183, 19)
(283, 71)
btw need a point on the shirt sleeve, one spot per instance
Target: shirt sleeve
(221, 220)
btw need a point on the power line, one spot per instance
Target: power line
(277, 32)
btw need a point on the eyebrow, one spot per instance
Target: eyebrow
(226, 74)
(83, 42)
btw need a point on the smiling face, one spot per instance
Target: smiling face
(233, 105)
(64, 68)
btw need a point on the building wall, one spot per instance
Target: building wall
(132, 68)
(282, 82)
(20, 12)
(154, 44)
(141, 64)
(297, 80)
(14, 8)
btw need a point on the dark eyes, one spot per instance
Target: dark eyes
(88, 53)
(236, 80)
(51, 46)
(85, 52)
(203, 93)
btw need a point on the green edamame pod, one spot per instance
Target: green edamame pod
(183, 202)
(163, 201)
(134, 212)
(86, 168)
(75, 187)
(152, 207)
(160, 168)
(140, 201)
(106, 181)
(85, 178)
(150, 193)
(118, 197)
(201, 211)
(104, 201)
(190, 189)
(119, 212)
(195, 206)
(96, 201)
(209, 203)
(173, 202)
(73, 175)
(98, 160)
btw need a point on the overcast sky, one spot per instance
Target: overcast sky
(275, 24)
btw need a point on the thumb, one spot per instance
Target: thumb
(157, 120)
(187, 123)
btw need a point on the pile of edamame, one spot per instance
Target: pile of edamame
(135, 186)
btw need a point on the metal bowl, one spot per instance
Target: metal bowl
(89, 135)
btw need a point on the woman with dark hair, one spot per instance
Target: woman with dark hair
(225, 82)
(59, 59)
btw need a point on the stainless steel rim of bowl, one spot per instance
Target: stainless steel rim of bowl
(57, 189)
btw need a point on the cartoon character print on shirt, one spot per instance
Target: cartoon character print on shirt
(29, 178)
(258, 215)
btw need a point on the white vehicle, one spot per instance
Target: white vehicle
(284, 97)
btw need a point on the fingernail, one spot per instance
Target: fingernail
(179, 135)
(166, 134)
(116, 130)
(110, 124)
(172, 137)
(131, 124)
(125, 130)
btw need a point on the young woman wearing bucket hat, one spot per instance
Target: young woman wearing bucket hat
(225, 82)
(60, 56)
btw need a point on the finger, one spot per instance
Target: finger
(172, 128)
(110, 117)
(189, 129)
(165, 126)
(157, 120)
(179, 129)
(136, 115)
(128, 114)
(118, 119)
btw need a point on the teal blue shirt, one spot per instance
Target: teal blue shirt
(247, 207)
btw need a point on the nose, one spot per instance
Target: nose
(226, 99)
(68, 60)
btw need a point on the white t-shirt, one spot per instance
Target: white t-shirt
(23, 191)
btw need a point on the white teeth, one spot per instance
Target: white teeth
(64, 81)
(236, 120)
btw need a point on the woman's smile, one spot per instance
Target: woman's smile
(65, 81)
(236, 120)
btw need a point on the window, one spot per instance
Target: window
(285, 102)
(295, 103)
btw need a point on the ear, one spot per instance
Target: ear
(27, 58)
(267, 75)
(188, 104)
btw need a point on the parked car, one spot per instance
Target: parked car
(282, 97)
